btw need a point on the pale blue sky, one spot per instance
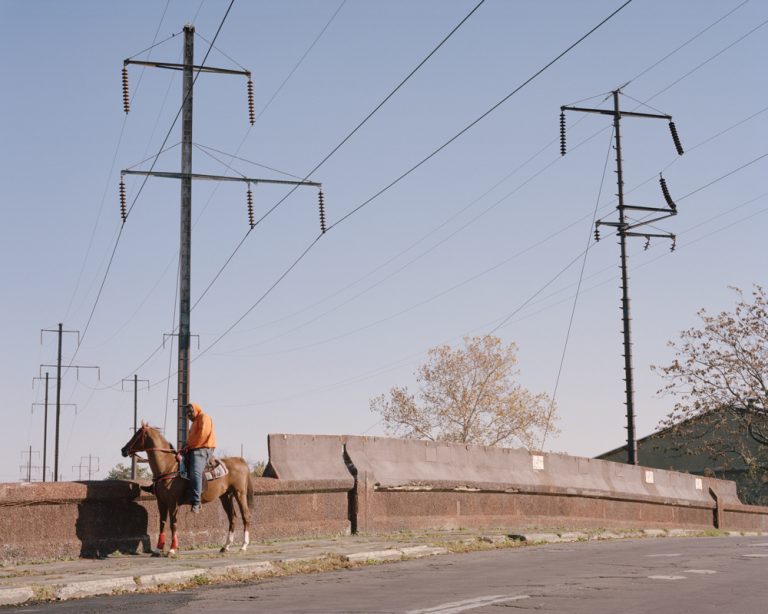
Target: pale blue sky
(403, 274)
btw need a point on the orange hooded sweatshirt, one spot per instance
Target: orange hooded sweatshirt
(201, 433)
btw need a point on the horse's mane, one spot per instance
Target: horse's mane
(159, 431)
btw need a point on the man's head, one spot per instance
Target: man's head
(193, 411)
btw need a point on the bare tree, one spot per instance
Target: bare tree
(719, 377)
(468, 395)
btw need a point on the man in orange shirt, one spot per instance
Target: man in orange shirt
(201, 440)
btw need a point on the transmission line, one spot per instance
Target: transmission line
(122, 226)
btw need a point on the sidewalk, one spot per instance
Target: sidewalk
(118, 573)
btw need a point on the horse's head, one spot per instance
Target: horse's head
(137, 443)
(145, 438)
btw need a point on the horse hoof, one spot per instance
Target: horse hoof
(157, 553)
(172, 553)
(244, 548)
(223, 549)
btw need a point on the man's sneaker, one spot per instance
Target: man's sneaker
(196, 508)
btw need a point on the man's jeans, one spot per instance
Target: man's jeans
(196, 461)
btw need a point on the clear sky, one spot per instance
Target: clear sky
(470, 237)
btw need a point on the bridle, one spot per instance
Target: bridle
(138, 444)
(141, 447)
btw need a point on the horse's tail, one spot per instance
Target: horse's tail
(249, 492)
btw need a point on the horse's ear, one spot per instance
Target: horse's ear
(143, 424)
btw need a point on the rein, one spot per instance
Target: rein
(134, 450)
(138, 446)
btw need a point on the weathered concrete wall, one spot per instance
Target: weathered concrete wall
(408, 484)
(308, 457)
(378, 485)
(70, 519)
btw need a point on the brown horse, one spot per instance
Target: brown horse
(171, 489)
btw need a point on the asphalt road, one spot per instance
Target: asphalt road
(659, 576)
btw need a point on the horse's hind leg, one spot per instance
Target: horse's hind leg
(245, 512)
(227, 504)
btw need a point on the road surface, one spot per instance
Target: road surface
(659, 576)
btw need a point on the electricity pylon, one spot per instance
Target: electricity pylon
(624, 229)
(186, 176)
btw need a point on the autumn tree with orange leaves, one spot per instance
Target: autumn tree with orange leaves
(468, 395)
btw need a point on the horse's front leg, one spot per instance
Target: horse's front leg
(173, 510)
(162, 509)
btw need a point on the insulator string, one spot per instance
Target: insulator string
(123, 209)
(667, 195)
(321, 203)
(249, 198)
(676, 138)
(251, 108)
(562, 133)
(126, 96)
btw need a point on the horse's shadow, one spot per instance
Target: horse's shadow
(109, 520)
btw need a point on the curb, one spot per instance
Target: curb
(90, 588)
(15, 596)
(170, 577)
(394, 554)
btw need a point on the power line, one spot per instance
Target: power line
(111, 170)
(461, 228)
(413, 168)
(550, 413)
(338, 146)
(243, 239)
(120, 233)
(686, 43)
(481, 117)
(474, 277)
(708, 60)
(301, 59)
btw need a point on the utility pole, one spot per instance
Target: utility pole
(135, 381)
(60, 332)
(186, 176)
(26, 468)
(45, 426)
(89, 466)
(45, 421)
(625, 228)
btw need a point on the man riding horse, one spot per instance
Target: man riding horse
(201, 440)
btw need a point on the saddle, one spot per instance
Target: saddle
(214, 469)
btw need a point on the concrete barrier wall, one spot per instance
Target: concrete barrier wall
(308, 457)
(71, 519)
(408, 484)
(405, 462)
(377, 484)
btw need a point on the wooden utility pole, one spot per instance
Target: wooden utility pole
(188, 68)
(89, 466)
(27, 467)
(60, 333)
(624, 229)
(135, 381)
(45, 420)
